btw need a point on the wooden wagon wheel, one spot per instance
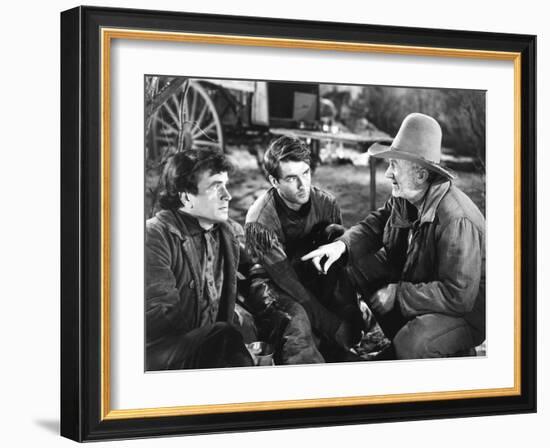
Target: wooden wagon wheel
(187, 119)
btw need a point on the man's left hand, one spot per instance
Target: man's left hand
(383, 300)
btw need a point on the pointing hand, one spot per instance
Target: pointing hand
(332, 251)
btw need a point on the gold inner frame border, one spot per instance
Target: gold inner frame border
(107, 35)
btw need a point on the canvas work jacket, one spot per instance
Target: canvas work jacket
(173, 287)
(438, 259)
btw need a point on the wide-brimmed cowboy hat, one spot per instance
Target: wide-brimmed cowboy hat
(418, 140)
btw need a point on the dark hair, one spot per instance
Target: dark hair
(434, 177)
(182, 170)
(285, 148)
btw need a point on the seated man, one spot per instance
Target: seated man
(191, 259)
(282, 225)
(419, 261)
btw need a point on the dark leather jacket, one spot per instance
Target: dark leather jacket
(265, 239)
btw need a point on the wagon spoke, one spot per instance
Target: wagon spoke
(170, 111)
(193, 106)
(206, 143)
(164, 139)
(198, 131)
(187, 118)
(198, 122)
(168, 128)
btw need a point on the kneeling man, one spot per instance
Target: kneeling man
(419, 261)
(286, 222)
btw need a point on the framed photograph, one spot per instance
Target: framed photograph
(278, 224)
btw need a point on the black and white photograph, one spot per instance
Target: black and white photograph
(305, 223)
(274, 224)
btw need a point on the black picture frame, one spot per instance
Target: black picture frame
(84, 411)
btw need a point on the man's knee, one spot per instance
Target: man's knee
(333, 231)
(432, 336)
(411, 343)
(244, 322)
(299, 326)
(298, 342)
(224, 330)
(226, 341)
(222, 334)
(296, 312)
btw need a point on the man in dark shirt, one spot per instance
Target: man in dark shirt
(191, 259)
(283, 224)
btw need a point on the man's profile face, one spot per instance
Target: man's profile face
(211, 203)
(402, 175)
(294, 183)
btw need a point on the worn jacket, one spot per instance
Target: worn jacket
(173, 286)
(265, 239)
(438, 260)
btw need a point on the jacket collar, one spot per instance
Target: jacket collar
(230, 248)
(400, 215)
(183, 225)
(435, 194)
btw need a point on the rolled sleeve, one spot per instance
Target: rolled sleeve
(366, 236)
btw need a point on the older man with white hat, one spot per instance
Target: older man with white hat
(419, 261)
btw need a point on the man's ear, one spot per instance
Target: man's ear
(184, 197)
(423, 175)
(274, 182)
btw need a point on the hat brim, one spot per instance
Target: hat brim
(389, 152)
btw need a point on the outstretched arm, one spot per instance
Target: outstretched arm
(265, 249)
(364, 237)
(332, 252)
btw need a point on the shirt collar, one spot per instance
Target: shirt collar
(192, 224)
(281, 205)
(400, 217)
(435, 194)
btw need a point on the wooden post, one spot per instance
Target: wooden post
(372, 169)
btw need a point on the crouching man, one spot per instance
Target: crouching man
(419, 261)
(191, 259)
(286, 222)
